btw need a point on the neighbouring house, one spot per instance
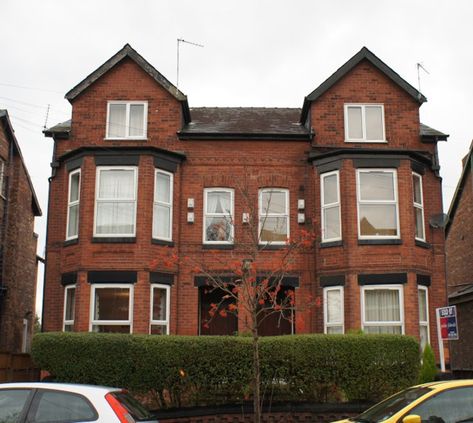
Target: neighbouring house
(459, 251)
(18, 260)
(138, 174)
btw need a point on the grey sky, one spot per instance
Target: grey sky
(257, 53)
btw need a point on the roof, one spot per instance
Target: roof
(429, 134)
(61, 130)
(462, 292)
(128, 52)
(11, 134)
(459, 189)
(245, 122)
(363, 54)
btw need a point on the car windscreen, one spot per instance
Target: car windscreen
(390, 406)
(133, 406)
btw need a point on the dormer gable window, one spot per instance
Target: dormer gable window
(364, 123)
(127, 119)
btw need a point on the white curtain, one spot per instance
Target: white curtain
(136, 120)
(162, 220)
(218, 202)
(117, 184)
(382, 305)
(117, 120)
(334, 306)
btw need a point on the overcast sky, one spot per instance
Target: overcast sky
(257, 53)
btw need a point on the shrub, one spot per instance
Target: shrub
(428, 370)
(186, 370)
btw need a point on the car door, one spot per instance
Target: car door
(55, 406)
(14, 404)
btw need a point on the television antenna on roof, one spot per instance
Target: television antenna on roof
(419, 67)
(179, 41)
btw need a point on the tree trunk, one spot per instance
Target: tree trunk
(257, 403)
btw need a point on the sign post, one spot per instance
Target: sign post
(447, 329)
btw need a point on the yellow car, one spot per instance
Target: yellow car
(436, 402)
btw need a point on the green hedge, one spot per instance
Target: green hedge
(204, 370)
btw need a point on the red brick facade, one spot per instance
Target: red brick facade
(292, 161)
(18, 207)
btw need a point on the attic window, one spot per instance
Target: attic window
(126, 119)
(364, 123)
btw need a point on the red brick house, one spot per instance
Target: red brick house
(137, 174)
(18, 266)
(459, 251)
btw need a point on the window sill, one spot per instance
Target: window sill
(422, 244)
(328, 244)
(379, 241)
(127, 139)
(113, 240)
(272, 247)
(162, 242)
(218, 246)
(366, 141)
(70, 242)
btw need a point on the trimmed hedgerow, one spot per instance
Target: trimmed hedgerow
(217, 369)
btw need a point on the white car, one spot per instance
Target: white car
(68, 403)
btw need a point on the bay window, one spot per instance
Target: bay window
(218, 216)
(330, 201)
(378, 215)
(333, 309)
(69, 307)
(115, 201)
(111, 308)
(126, 119)
(73, 201)
(160, 302)
(382, 309)
(162, 208)
(273, 216)
(364, 123)
(418, 207)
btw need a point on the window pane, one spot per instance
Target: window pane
(12, 403)
(112, 304)
(378, 220)
(218, 229)
(158, 330)
(111, 328)
(73, 228)
(159, 303)
(374, 123)
(334, 306)
(219, 202)
(74, 189)
(335, 330)
(377, 186)
(331, 223)
(419, 223)
(424, 336)
(137, 119)
(422, 305)
(273, 202)
(70, 303)
(163, 187)
(117, 184)
(390, 330)
(115, 218)
(330, 189)
(63, 407)
(162, 220)
(117, 120)
(382, 305)
(417, 189)
(273, 229)
(355, 130)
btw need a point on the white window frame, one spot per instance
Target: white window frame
(425, 323)
(394, 287)
(2, 179)
(71, 204)
(341, 323)
(419, 206)
(97, 200)
(363, 107)
(395, 202)
(163, 204)
(67, 322)
(206, 215)
(128, 322)
(127, 120)
(166, 322)
(266, 215)
(330, 205)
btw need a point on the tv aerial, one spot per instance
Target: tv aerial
(179, 41)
